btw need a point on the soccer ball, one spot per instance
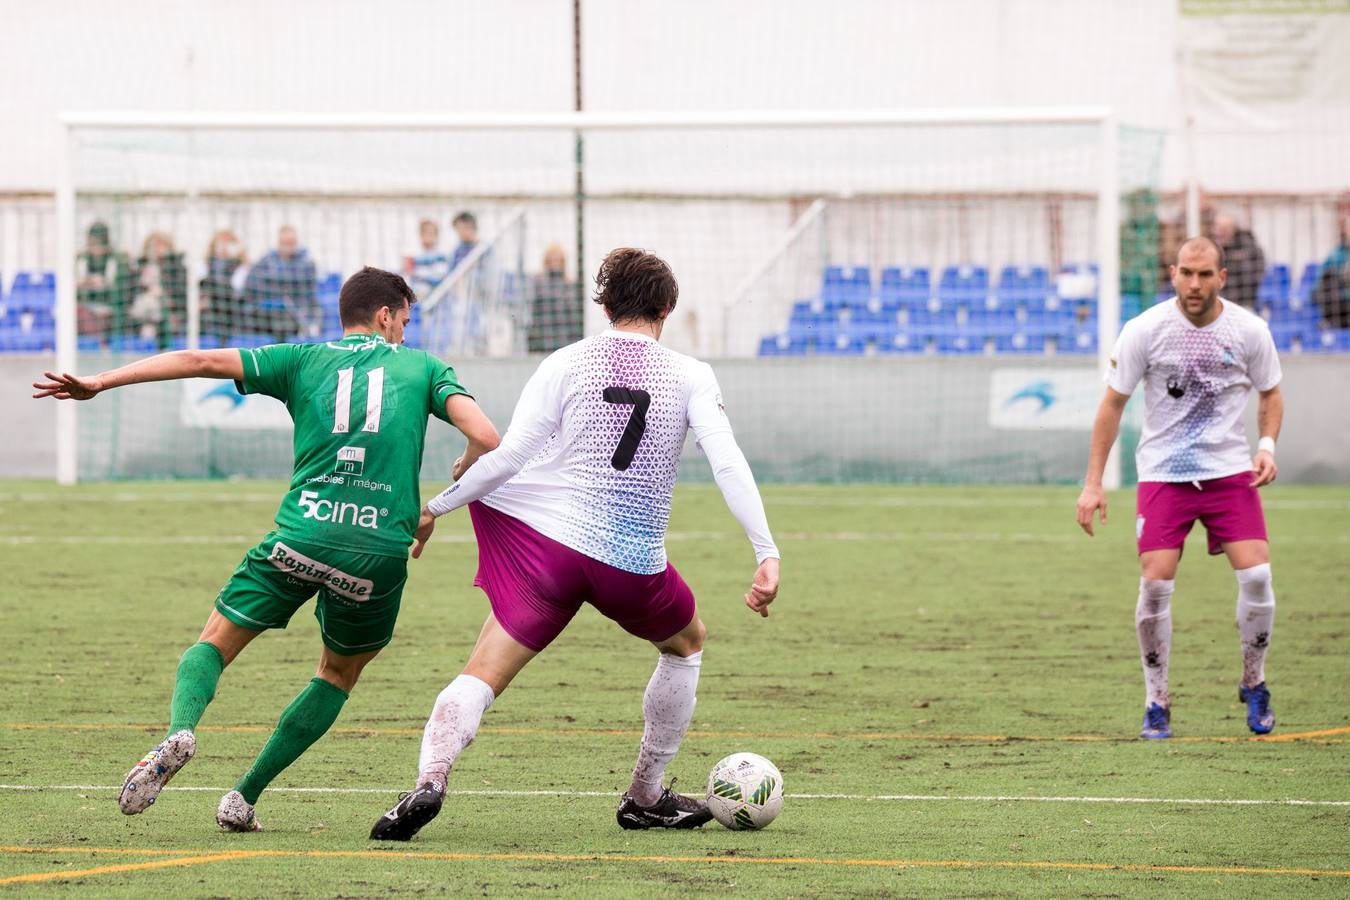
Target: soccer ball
(745, 791)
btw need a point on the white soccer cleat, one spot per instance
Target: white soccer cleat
(236, 814)
(148, 777)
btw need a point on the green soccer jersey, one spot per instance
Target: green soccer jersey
(360, 408)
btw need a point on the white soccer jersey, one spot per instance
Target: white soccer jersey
(1196, 385)
(595, 443)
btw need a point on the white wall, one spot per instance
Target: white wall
(458, 55)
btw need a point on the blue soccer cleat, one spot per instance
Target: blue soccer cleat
(1157, 723)
(1259, 717)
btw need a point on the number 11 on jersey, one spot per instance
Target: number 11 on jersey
(343, 403)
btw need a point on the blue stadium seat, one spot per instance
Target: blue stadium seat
(843, 285)
(128, 344)
(964, 284)
(1018, 282)
(1077, 336)
(1274, 285)
(204, 342)
(865, 326)
(1020, 341)
(250, 339)
(958, 344)
(1307, 283)
(331, 283)
(900, 284)
(991, 322)
(903, 342)
(1329, 340)
(88, 344)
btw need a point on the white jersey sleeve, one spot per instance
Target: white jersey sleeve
(1263, 362)
(1129, 358)
(712, 430)
(535, 420)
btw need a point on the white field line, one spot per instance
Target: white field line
(911, 537)
(814, 499)
(911, 798)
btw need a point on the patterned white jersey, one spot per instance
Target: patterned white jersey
(1196, 385)
(594, 447)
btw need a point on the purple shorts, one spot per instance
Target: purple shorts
(1228, 507)
(536, 585)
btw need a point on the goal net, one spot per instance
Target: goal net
(885, 295)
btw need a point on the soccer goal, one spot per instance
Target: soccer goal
(898, 270)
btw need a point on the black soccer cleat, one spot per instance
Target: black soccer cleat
(671, 811)
(413, 810)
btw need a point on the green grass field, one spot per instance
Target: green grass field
(949, 683)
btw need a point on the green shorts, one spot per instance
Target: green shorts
(359, 593)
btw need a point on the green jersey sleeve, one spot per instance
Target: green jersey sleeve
(444, 385)
(269, 370)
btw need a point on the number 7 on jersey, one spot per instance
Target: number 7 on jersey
(637, 423)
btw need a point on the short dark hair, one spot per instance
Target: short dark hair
(465, 216)
(1202, 240)
(369, 291)
(633, 284)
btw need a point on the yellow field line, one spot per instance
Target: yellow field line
(1319, 737)
(65, 874)
(205, 856)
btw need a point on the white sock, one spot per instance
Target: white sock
(1255, 618)
(452, 726)
(1153, 624)
(667, 708)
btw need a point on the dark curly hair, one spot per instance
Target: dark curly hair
(369, 290)
(635, 286)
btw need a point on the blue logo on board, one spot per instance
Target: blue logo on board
(1042, 391)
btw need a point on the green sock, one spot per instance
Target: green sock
(195, 685)
(311, 713)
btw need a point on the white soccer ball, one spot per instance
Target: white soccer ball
(745, 791)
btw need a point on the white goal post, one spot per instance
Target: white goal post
(1108, 187)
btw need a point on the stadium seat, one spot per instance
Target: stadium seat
(1329, 340)
(867, 326)
(128, 344)
(204, 342)
(900, 284)
(250, 339)
(88, 344)
(1307, 283)
(845, 285)
(1079, 336)
(904, 343)
(331, 284)
(1274, 286)
(1020, 342)
(963, 284)
(1018, 282)
(991, 322)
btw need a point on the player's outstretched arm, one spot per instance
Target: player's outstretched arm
(1104, 432)
(162, 367)
(737, 484)
(476, 427)
(1269, 418)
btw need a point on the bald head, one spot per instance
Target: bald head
(1200, 251)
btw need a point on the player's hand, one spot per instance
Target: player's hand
(1089, 502)
(458, 469)
(764, 588)
(1263, 469)
(426, 524)
(67, 387)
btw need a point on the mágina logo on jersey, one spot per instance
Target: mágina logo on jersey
(339, 512)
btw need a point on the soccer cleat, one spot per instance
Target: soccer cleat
(671, 811)
(1157, 723)
(148, 777)
(236, 814)
(1259, 717)
(413, 810)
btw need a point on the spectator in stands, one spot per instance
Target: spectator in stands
(466, 229)
(281, 290)
(555, 305)
(222, 287)
(102, 283)
(1245, 260)
(430, 266)
(1332, 292)
(158, 311)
